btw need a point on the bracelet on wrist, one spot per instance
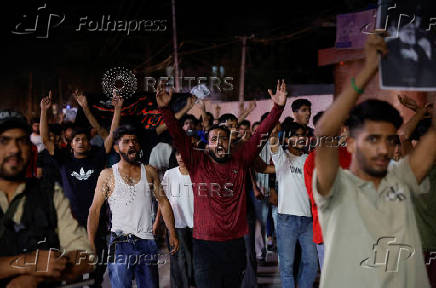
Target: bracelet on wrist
(357, 89)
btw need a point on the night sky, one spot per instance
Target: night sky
(79, 58)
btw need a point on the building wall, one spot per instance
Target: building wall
(344, 71)
(319, 103)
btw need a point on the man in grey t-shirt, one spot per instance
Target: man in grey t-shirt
(366, 213)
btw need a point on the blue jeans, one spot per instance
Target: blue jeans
(290, 230)
(131, 256)
(320, 249)
(274, 213)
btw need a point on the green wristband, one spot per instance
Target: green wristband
(357, 89)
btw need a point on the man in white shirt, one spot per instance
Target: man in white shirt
(35, 137)
(294, 212)
(366, 214)
(178, 188)
(128, 187)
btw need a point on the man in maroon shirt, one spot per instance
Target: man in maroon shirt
(219, 177)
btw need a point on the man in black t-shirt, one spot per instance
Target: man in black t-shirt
(79, 173)
(80, 167)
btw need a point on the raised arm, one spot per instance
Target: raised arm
(181, 141)
(43, 124)
(326, 159)
(247, 111)
(83, 102)
(178, 115)
(217, 114)
(117, 102)
(205, 122)
(254, 145)
(274, 141)
(165, 207)
(424, 155)
(407, 128)
(261, 167)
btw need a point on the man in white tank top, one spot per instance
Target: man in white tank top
(128, 187)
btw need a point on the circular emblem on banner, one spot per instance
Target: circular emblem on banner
(120, 79)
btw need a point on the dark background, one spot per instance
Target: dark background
(287, 34)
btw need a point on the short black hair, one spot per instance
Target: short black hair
(188, 116)
(246, 123)
(221, 127)
(227, 116)
(126, 129)
(80, 130)
(172, 163)
(67, 125)
(211, 118)
(287, 121)
(291, 129)
(375, 110)
(297, 104)
(56, 129)
(317, 117)
(34, 120)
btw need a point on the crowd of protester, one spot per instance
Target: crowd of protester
(343, 200)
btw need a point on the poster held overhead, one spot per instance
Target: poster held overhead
(411, 41)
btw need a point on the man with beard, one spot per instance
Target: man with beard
(219, 182)
(80, 167)
(128, 188)
(35, 137)
(40, 241)
(367, 213)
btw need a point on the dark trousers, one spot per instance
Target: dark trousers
(250, 280)
(219, 264)
(181, 264)
(431, 267)
(102, 253)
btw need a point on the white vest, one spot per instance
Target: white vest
(131, 206)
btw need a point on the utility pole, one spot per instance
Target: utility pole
(176, 58)
(242, 72)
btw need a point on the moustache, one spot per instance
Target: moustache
(18, 157)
